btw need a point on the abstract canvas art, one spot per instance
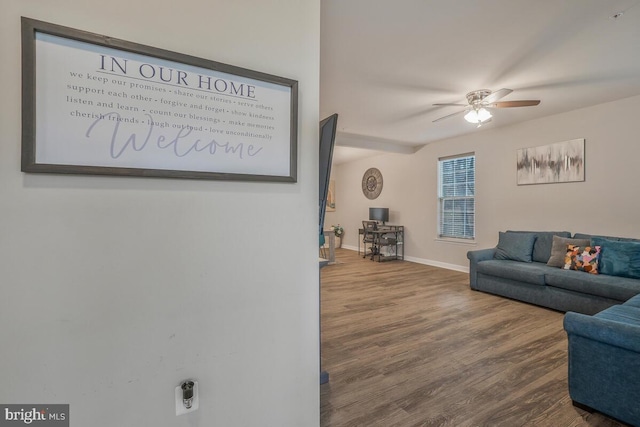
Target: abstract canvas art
(559, 162)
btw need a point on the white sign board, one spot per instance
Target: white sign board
(103, 106)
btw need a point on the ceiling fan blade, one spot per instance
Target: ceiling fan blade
(450, 105)
(494, 96)
(510, 104)
(450, 115)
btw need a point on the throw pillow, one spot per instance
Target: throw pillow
(559, 249)
(619, 258)
(542, 246)
(515, 246)
(582, 258)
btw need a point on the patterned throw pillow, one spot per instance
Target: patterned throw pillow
(582, 258)
(559, 249)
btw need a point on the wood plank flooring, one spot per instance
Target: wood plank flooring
(411, 345)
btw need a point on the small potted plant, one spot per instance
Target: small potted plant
(338, 231)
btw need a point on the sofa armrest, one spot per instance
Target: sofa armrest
(603, 357)
(481, 254)
(603, 330)
(474, 258)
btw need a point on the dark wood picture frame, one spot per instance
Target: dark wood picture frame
(282, 91)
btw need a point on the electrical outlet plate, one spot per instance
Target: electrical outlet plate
(180, 408)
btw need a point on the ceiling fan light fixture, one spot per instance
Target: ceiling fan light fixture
(478, 116)
(480, 101)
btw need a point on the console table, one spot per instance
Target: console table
(387, 245)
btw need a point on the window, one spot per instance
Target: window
(456, 197)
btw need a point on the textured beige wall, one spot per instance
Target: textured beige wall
(606, 203)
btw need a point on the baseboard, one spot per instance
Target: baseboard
(454, 267)
(446, 265)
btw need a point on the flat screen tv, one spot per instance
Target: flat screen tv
(327, 140)
(379, 214)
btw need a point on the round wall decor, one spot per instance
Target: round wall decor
(372, 183)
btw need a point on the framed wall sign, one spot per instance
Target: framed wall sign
(92, 104)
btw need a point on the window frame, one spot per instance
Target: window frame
(459, 229)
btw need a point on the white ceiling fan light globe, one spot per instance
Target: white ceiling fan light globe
(477, 116)
(484, 115)
(471, 116)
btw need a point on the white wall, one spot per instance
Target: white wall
(116, 289)
(605, 203)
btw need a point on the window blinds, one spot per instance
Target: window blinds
(456, 195)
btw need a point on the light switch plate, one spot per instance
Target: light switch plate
(180, 408)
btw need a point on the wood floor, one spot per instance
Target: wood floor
(411, 345)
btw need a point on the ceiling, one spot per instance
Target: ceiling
(384, 63)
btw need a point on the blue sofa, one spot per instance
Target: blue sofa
(604, 349)
(604, 361)
(517, 268)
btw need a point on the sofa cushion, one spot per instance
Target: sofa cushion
(616, 239)
(533, 273)
(621, 313)
(613, 287)
(582, 258)
(515, 246)
(543, 244)
(635, 301)
(559, 249)
(619, 258)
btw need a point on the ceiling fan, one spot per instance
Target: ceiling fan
(480, 100)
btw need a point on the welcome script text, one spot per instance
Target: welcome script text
(179, 145)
